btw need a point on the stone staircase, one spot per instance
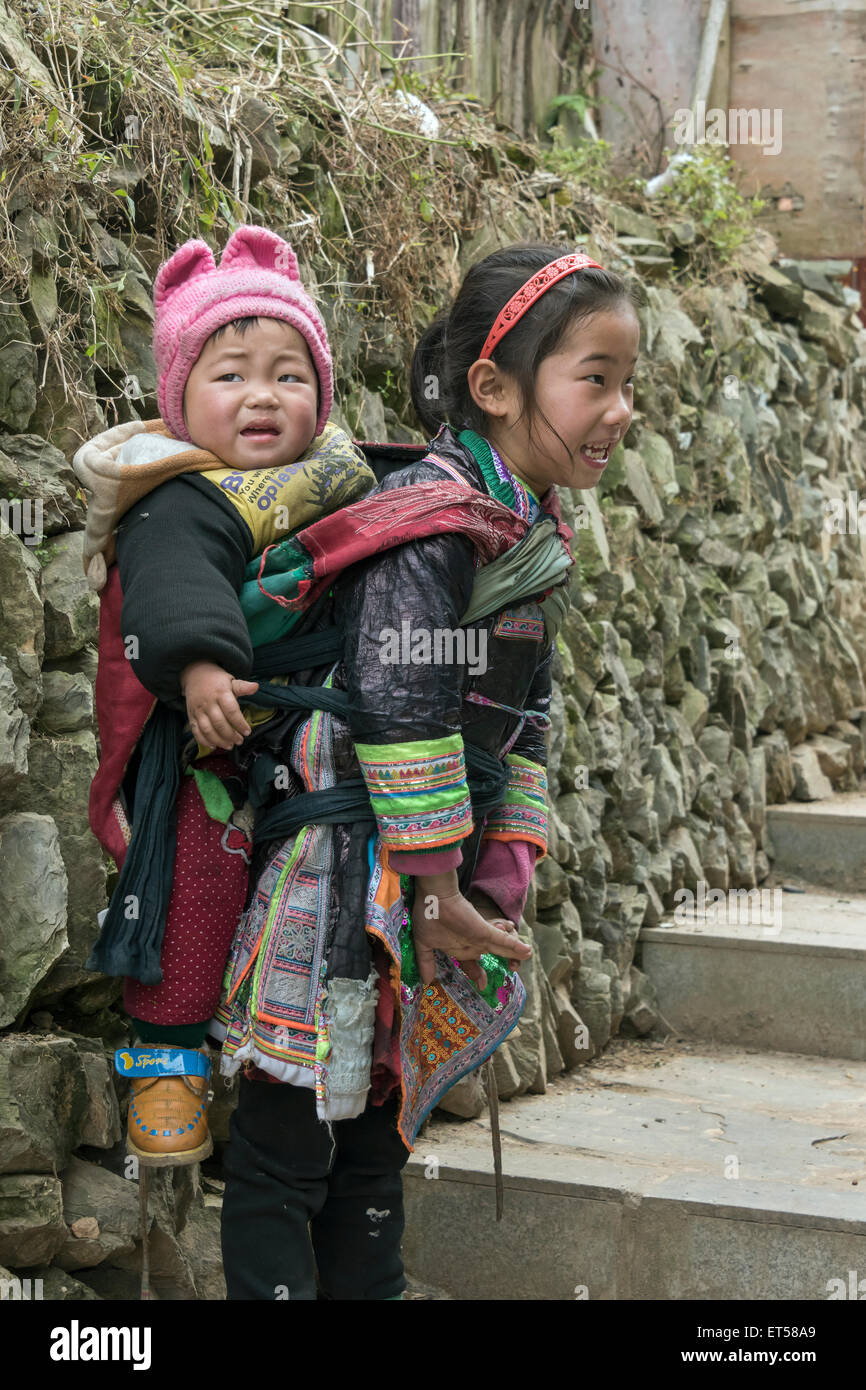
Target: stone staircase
(729, 1160)
(826, 840)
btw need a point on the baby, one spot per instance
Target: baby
(242, 457)
(255, 391)
(253, 399)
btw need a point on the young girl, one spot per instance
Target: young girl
(528, 381)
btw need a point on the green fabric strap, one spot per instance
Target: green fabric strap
(217, 801)
(554, 608)
(534, 564)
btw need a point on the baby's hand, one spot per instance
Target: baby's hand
(214, 714)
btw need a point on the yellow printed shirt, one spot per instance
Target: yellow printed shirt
(275, 502)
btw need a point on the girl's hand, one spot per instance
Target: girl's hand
(213, 711)
(460, 932)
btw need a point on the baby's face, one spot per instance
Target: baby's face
(252, 399)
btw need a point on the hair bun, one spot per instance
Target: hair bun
(426, 376)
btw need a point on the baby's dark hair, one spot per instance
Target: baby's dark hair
(239, 325)
(446, 351)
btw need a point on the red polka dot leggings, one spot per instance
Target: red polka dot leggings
(208, 897)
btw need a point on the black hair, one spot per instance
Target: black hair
(239, 325)
(446, 351)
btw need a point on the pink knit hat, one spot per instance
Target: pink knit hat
(257, 275)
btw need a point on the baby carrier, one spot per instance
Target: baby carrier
(282, 586)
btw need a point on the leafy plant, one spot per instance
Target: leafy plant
(568, 101)
(705, 190)
(587, 162)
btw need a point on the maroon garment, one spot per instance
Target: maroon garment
(207, 898)
(123, 707)
(405, 862)
(503, 871)
(385, 1067)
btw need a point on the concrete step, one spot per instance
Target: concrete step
(791, 978)
(660, 1171)
(821, 841)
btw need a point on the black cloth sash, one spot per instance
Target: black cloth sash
(130, 941)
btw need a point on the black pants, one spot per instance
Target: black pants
(299, 1204)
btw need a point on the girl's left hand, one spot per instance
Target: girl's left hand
(462, 932)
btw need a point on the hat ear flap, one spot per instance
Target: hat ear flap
(192, 259)
(256, 248)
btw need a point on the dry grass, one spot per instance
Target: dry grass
(164, 122)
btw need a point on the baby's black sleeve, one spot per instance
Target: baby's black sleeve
(181, 554)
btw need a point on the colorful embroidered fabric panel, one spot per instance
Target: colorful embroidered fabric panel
(273, 985)
(447, 1028)
(272, 989)
(519, 626)
(523, 814)
(525, 501)
(499, 480)
(419, 791)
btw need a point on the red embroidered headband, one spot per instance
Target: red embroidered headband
(532, 290)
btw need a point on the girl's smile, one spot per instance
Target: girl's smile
(584, 390)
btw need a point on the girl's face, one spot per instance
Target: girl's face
(585, 391)
(253, 400)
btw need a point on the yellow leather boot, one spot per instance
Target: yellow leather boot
(167, 1121)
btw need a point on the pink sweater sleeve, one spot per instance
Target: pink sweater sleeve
(405, 862)
(503, 871)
